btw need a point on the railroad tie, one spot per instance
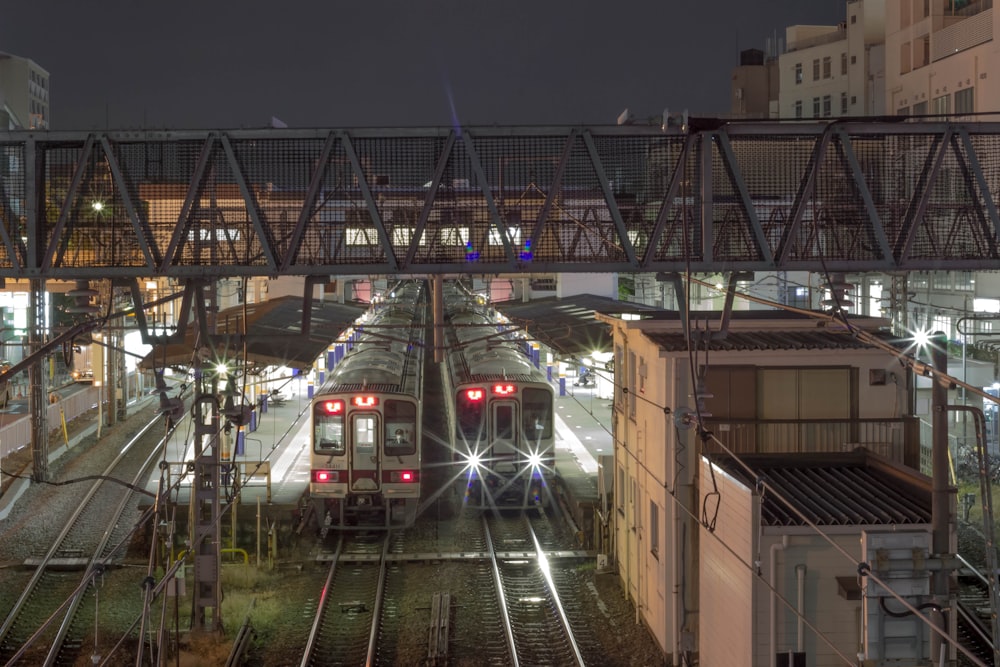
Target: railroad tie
(437, 638)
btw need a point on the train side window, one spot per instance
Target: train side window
(536, 413)
(400, 427)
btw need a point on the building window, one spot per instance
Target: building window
(798, 73)
(620, 391)
(964, 101)
(854, 99)
(654, 529)
(903, 111)
(942, 104)
(816, 69)
(798, 108)
(854, 60)
(965, 281)
(815, 107)
(827, 67)
(632, 383)
(827, 105)
(843, 103)
(920, 109)
(843, 64)
(620, 496)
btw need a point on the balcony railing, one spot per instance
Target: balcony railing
(896, 439)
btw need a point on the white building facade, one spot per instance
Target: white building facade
(24, 93)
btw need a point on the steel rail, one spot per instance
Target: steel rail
(40, 570)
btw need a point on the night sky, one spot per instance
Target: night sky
(122, 64)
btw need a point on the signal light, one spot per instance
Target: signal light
(365, 401)
(503, 389)
(333, 407)
(325, 476)
(474, 394)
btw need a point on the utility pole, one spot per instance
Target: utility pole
(206, 613)
(942, 493)
(37, 405)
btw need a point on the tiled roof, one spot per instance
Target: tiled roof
(852, 489)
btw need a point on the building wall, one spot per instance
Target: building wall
(727, 582)
(24, 89)
(781, 552)
(813, 88)
(657, 462)
(930, 58)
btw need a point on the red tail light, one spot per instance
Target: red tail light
(325, 476)
(503, 389)
(403, 476)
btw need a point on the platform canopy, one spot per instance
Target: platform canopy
(263, 334)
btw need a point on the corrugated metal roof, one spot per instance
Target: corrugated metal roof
(747, 341)
(568, 325)
(274, 333)
(853, 489)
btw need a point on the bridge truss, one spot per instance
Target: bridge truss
(838, 196)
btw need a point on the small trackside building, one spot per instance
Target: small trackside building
(757, 383)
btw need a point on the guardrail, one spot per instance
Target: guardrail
(17, 434)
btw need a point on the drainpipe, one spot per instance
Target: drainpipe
(800, 575)
(775, 548)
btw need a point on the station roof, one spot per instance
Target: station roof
(567, 325)
(276, 337)
(836, 489)
(749, 341)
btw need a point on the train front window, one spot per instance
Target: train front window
(536, 412)
(400, 428)
(471, 407)
(328, 433)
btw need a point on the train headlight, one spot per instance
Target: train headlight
(535, 460)
(325, 476)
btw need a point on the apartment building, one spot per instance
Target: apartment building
(24, 93)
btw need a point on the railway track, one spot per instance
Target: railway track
(42, 626)
(346, 621)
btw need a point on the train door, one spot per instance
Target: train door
(504, 429)
(364, 463)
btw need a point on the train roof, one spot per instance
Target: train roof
(275, 334)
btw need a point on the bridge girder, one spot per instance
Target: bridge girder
(854, 196)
